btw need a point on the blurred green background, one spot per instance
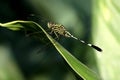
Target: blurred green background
(95, 21)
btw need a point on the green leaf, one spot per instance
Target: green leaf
(75, 64)
(14, 25)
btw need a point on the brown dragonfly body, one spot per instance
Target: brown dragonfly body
(59, 29)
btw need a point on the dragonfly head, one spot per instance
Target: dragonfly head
(50, 24)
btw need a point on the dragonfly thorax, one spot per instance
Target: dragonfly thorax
(58, 29)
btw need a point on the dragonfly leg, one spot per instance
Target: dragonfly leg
(51, 32)
(56, 35)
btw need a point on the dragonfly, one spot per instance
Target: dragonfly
(59, 29)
